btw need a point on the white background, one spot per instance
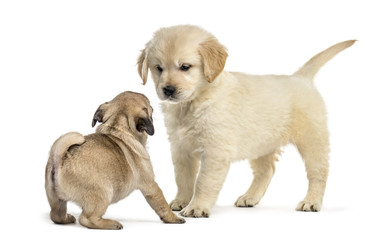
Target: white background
(60, 59)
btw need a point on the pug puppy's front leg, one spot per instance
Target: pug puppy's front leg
(210, 180)
(157, 201)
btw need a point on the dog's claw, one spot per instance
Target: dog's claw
(178, 205)
(306, 206)
(173, 219)
(246, 201)
(195, 212)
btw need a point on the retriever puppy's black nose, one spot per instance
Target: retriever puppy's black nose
(169, 90)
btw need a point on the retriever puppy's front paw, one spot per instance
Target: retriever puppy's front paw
(246, 201)
(178, 205)
(309, 206)
(196, 212)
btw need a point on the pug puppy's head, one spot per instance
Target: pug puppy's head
(183, 60)
(128, 111)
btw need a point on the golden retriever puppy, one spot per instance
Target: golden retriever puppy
(105, 167)
(214, 117)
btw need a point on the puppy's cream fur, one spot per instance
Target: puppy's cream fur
(217, 117)
(103, 168)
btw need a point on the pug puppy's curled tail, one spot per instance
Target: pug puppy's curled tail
(58, 214)
(57, 152)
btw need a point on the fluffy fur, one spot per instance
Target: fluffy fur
(103, 168)
(214, 117)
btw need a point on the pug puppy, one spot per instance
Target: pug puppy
(99, 169)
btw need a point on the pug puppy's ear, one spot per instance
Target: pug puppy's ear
(99, 114)
(145, 124)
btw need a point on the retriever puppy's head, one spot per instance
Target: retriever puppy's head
(183, 60)
(128, 111)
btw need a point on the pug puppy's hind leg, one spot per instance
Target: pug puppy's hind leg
(91, 216)
(58, 212)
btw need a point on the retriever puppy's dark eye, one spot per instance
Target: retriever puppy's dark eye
(185, 67)
(159, 68)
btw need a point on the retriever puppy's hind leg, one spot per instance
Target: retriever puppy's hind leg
(263, 171)
(313, 146)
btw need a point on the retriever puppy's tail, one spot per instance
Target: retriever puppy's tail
(310, 69)
(57, 152)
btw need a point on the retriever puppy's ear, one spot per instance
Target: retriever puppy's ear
(142, 65)
(99, 114)
(214, 57)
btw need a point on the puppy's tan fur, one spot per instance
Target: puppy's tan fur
(215, 117)
(102, 168)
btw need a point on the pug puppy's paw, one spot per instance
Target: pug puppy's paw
(173, 219)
